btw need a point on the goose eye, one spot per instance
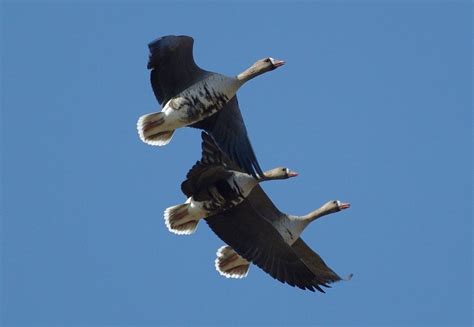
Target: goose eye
(267, 60)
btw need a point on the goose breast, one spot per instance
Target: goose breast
(202, 99)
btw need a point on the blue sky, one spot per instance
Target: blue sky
(373, 107)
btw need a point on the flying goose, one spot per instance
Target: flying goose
(256, 231)
(212, 187)
(191, 96)
(231, 265)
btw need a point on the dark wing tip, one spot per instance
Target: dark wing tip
(166, 43)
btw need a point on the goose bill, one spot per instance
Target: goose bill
(344, 205)
(292, 173)
(277, 63)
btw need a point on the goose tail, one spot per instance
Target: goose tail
(231, 265)
(182, 219)
(151, 131)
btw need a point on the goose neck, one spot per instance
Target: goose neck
(315, 214)
(248, 74)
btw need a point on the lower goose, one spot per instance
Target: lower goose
(257, 232)
(211, 187)
(231, 265)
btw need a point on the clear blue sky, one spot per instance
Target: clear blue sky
(373, 107)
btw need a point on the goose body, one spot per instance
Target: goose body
(195, 103)
(190, 96)
(212, 187)
(228, 192)
(219, 195)
(203, 99)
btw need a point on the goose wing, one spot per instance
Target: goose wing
(228, 129)
(202, 178)
(172, 71)
(324, 274)
(172, 66)
(213, 166)
(250, 233)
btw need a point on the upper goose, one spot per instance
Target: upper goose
(261, 234)
(190, 96)
(212, 187)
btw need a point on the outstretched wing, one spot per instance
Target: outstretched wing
(172, 66)
(228, 129)
(172, 71)
(250, 233)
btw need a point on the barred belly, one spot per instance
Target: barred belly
(204, 99)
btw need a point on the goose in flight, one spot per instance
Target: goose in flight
(211, 187)
(191, 96)
(256, 231)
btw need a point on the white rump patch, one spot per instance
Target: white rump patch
(231, 265)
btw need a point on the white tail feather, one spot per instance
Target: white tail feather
(183, 219)
(231, 265)
(151, 131)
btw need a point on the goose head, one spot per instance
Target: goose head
(334, 206)
(329, 207)
(278, 173)
(267, 64)
(260, 67)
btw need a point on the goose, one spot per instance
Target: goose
(191, 96)
(257, 232)
(173, 70)
(231, 265)
(212, 187)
